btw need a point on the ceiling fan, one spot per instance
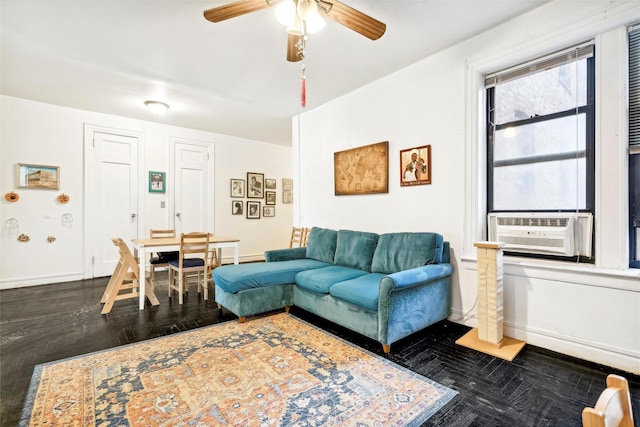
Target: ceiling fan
(301, 13)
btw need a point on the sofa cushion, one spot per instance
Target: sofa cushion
(321, 279)
(403, 251)
(321, 244)
(355, 249)
(361, 291)
(237, 277)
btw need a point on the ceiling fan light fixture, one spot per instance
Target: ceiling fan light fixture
(314, 24)
(307, 9)
(156, 107)
(286, 12)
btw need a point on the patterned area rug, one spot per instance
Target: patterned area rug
(269, 371)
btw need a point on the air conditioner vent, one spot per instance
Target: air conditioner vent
(533, 222)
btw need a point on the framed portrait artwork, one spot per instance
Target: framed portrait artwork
(270, 198)
(415, 166)
(270, 184)
(237, 187)
(38, 176)
(157, 182)
(237, 207)
(255, 185)
(268, 211)
(253, 210)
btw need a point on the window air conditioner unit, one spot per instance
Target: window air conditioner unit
(563, 234)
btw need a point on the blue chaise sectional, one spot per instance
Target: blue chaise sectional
(383, 286)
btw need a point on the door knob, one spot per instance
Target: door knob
(178, 214)
(133, 216)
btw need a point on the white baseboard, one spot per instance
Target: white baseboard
(604, 354)
(24, 282)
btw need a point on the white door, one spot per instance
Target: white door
(193, 178)
(111, 198)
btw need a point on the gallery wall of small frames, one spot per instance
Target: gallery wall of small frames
(261, 195)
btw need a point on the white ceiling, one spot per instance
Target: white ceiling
(231, 77)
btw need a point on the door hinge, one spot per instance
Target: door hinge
(93, 260)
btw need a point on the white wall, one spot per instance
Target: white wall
(39, 133)
(589, 311)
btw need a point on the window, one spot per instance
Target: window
(540, 135)
(634, 147)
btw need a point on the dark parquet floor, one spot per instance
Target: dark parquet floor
(539, 388)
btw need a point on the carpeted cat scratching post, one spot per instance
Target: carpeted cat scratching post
(488, 336)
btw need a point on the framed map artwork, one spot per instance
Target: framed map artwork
(362, 170)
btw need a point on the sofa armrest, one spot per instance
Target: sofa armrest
(285, 254)
(415, 277)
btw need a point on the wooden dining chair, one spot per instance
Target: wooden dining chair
(194, 248)
(161, 259)
(298, 237)
(125, 280)
(613, 408)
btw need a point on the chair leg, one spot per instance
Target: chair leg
(180, 289)
(112, 282)
(205, 285)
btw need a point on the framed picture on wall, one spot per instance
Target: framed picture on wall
(253, 210)
(38, 176)
(287, 190)
(255, 185)
(237, 207)
(270, 198)
(268, 211)
(237, 187)
(270, 184)
(415, 166)
(157, 182)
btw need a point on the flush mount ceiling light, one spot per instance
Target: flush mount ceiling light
(156, 107)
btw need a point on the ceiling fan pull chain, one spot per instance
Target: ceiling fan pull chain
(303, 89)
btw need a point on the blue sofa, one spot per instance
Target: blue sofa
(383, 286)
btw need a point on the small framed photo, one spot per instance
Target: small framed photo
(253, 210)
(255, 186)
(287, 184)
(237, 207)
(270, 198)
(157, 182)
(268, 211)
(237, 187)
(270, 184)
(38, 176)
(287, 197)
(415, 166)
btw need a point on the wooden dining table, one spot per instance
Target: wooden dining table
(144, 247)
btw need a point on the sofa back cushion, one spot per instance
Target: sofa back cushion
(403, 251)
(321, 244)
(355, 249)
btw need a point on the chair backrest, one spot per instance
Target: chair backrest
(194, 245)
(613, 408)
(127, 259)
(298, 237)
(156, 234)
(305, 236)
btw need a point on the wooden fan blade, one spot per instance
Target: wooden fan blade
(292, 49)
(356, 20)
(232, 10)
